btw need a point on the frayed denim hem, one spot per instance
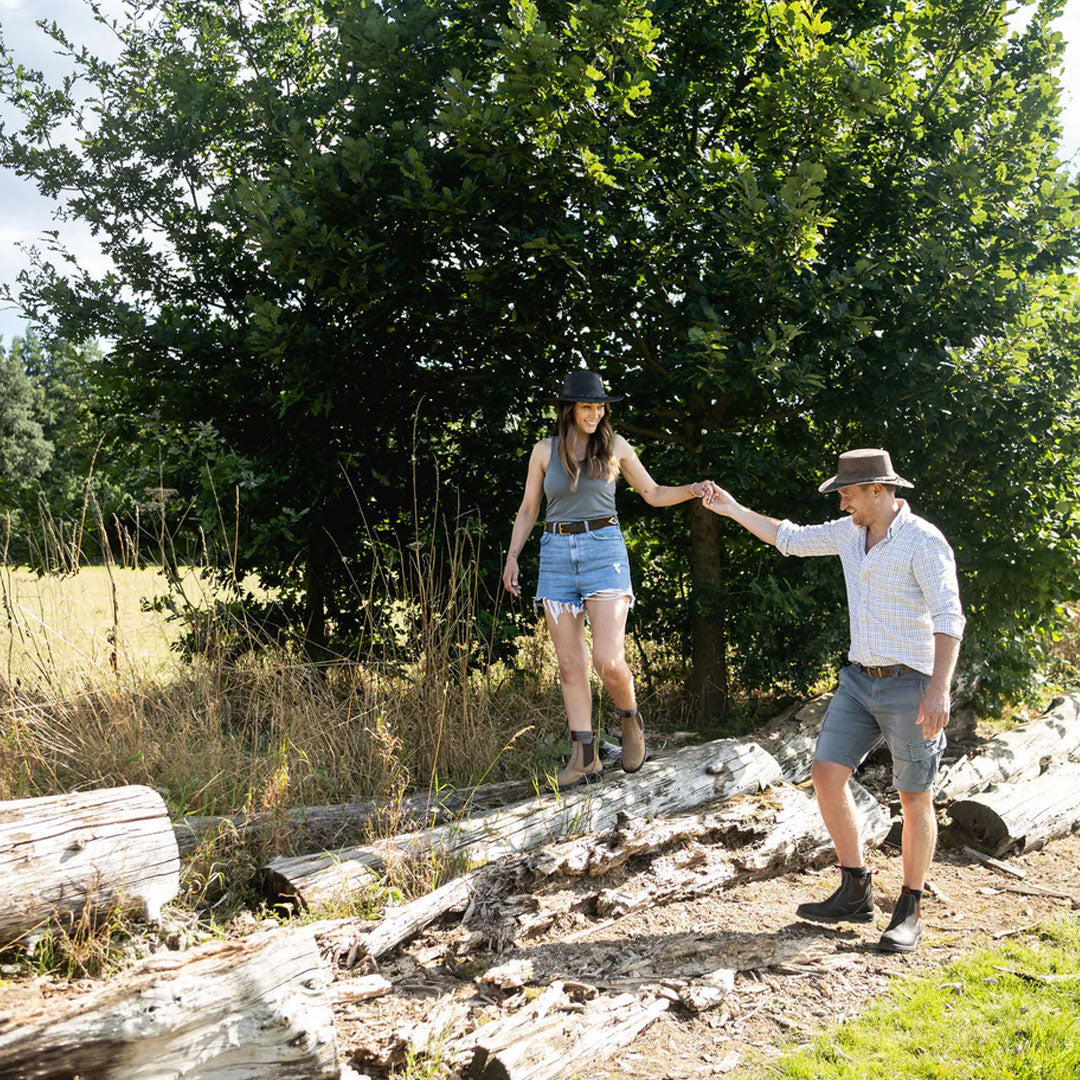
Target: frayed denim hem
(555, 608)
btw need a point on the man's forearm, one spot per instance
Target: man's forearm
(946, 650)
(764, 528)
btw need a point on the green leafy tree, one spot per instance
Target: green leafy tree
(24, 451)
(353, 243)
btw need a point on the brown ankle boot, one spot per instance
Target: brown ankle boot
(633, 739)
(584, 767)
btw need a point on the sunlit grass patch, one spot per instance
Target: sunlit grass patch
(1007, 1012)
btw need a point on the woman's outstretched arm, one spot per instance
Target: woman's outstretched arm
(637, 476)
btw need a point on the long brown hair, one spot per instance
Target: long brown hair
(599, 459)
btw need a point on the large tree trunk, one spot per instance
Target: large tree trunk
(708, 680)
(1023, 816)
(254, 1009)
(1019, 754)
(315, 575)
(699, 774)
(86, 853)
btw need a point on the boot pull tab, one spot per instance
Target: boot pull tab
(588, 747)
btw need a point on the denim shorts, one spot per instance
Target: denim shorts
(865, 711)
(582, 566)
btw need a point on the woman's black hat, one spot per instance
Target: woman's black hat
(585, 386)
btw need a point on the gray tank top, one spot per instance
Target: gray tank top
(593, 498)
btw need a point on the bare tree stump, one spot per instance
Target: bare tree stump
(696, 775)
(1022, 816)
(91, 852)
(254, 1009)
(1019, 754)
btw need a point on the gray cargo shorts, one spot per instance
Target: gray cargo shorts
(865, 712)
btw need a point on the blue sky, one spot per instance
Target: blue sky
(24, 214)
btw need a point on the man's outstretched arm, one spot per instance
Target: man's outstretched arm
(786, 537)
(723, 503)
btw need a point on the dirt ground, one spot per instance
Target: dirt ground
(793, 978)
(767, 1007)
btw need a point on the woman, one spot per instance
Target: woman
(584, 571)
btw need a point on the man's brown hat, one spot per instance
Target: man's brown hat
(864, 467)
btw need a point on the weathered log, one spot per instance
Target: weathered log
(254, 1009)
(88, 853)
(1022, 816)
(1019, 754)
(327, 826)
(751, 837)
(553, 1037)
(791, 737)
(758, 834)
(691, 777)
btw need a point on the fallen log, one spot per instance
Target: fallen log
(553, 1036)
(84, 854)
(751, 837)
(254, 1009)
(699, 774)
(1019, 754)
(757, 833)
(327, 826)
(1012, 818)
(791, 737)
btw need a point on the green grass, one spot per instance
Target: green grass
(995, 1025)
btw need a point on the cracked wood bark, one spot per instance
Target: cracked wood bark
(328, 825)
(1019, 754)
(254, 1009)
(99, 850)
(399, 924)
(699, 774)
(791, 738)
(750, 838)
(1022, 816)
(553, 1037)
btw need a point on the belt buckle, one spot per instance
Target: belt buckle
(560, 530)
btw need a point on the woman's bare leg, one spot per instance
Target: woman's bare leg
(607, 619)
(568, 634)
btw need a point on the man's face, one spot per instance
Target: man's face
(860, 501)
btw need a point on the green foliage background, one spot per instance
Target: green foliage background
(357, 244)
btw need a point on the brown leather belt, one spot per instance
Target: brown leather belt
(564, 528)
(888, 671)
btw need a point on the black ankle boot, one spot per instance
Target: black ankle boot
(853, 901)
(905, 930)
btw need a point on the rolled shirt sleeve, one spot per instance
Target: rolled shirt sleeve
(934, 567)
(805, 540)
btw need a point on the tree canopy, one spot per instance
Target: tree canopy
(356, 245)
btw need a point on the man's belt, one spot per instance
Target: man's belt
(564, 528)
(888, 671)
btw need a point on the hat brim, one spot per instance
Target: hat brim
(606, 400)
(834, 483)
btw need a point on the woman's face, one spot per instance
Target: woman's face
(587, 415)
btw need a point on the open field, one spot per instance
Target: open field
(57, 627)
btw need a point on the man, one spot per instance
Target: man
(906, 625)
